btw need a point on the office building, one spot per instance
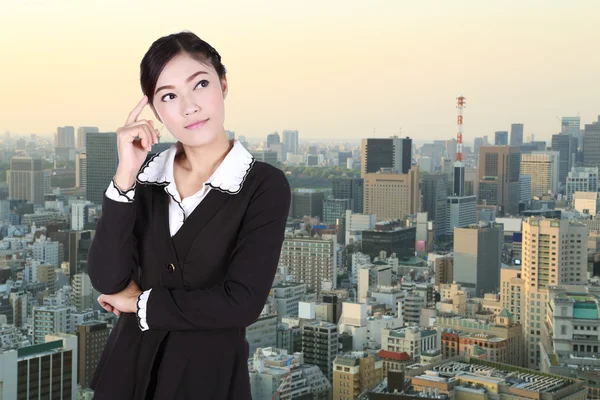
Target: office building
(352, 189)
(355, 372)
(477, 250)
(501, 138)
(581, 179)
(543, 168)
(461, 212)
(566, 145)
(499, 170)
(393, 154)
(26, 180)
(311, 260)
(101, 166)
(516, 134)
(434, 189)
(392, 195)
(307, 203)
(554, 253)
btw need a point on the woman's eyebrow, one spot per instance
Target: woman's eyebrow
(186, 81)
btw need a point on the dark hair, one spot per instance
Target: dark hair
(166, 48)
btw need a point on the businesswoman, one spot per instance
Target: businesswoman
(189, 240)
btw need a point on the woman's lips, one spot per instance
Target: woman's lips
(197, 124)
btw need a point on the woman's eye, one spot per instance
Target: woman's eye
(171, 94)
(168, 94)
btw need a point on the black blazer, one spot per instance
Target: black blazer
(209, 282)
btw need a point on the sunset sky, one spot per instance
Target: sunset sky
(331, 69)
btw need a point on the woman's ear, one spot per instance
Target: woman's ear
(225, 86)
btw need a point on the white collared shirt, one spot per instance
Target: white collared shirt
(228, 177)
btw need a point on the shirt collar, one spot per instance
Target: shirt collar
(228, 177)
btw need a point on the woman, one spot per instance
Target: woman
(189, 240)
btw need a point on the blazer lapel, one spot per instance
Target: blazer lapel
(197, 220)
(160, 221)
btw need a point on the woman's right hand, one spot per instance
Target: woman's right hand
(134, 141)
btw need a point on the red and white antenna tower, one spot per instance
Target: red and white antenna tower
(461, 102)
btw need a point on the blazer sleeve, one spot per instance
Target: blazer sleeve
(239, 300)
(113, 254)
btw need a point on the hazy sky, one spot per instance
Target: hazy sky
(338, 69)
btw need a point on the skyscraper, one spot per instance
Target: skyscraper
(26, 180)
(350, 188)
(516, 134)
(572, 126)
(273, 138)
(290, 143)
(566, 146)
(477, 255)
(501, 138)
(391, 153)
(499, 169)
(65, 136)
(554, 253)
(82, 131)
(434, 190)
(542, 166)
(102, 160)
(591, 144)
(392, 195)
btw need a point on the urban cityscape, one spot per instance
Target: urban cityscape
(445, 270)
(443, 236)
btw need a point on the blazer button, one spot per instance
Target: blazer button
(171, 268)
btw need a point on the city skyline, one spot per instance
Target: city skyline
(414, 60)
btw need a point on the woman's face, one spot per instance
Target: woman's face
(188, 91)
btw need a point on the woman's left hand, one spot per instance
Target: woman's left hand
(123, 302)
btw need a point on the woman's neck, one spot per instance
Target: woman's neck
(204, 160)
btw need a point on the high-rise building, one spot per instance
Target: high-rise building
(81, 170)
(273, 138)
(48, 320)
(572, 126)
(501, 138)
(399, 240)
(499, 169)
(434, 189)
(320, 345)
(352, 189)
(461, 212)
(310, 260)
(290, 143)
(91, 339)
(101, 164)
(26, 180)
(581, 179)
(591, 144)
(82, 131)
(554, 253)
(43, 371)
(566, 147)
(392, 195)
(516, 134)
(65, 136)
(543, 167)
(512, 291)
(83, 292)
(334, 209)
(267, 156)
(393, 154)
(477, 255)
(525, 185)
(307, 203)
